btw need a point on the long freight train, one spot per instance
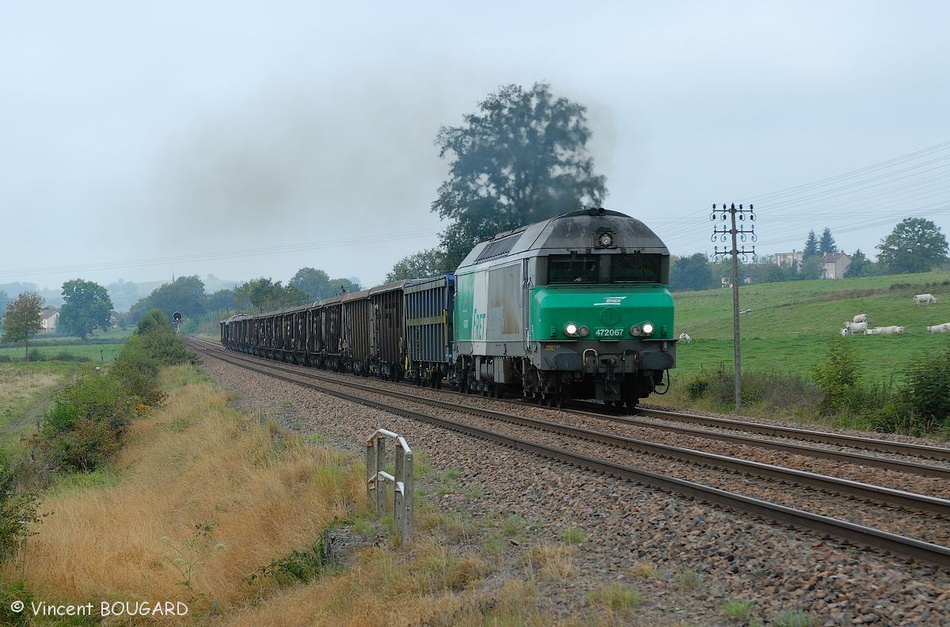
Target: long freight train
(574, 307)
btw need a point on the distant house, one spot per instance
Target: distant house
(49, 318)
(835, 265)
(791, 259)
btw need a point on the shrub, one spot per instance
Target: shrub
(157, 337)
(927, 389)
(297, 567)
(772, 390)
(137, 370)
(922, 404)
(838, 376)
(697, 387)
(86, 422)
(84, 427)
(17, 511)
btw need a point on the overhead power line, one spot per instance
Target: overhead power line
(915, 184)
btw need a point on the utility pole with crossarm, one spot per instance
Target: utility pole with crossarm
(738, 234)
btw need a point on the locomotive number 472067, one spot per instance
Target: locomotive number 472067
(608, 332)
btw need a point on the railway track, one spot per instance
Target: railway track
(792, 436)
(403, 403)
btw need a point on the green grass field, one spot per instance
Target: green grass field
(25, 393)
(790, 325)
(101, 347)
(96, 352)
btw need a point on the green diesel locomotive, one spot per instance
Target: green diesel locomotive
(574, 307)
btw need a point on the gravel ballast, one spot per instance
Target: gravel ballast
(703, 556)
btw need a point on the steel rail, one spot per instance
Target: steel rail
(858, 534)
(886, 446)
(900, 498)
(897, 465)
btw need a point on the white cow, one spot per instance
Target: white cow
(939, 328)
(924, 299)
(684, 337)
(845, 333)
(856, 327)
(884, 330)
(861, 318)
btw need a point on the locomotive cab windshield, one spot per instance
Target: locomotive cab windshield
(607, 268)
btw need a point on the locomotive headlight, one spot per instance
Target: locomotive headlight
(648, 328)
(570, 329)
(584, 331)
(635, 330)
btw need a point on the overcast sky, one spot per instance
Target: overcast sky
(246, 139)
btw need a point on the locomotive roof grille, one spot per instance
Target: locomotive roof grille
(498, 248)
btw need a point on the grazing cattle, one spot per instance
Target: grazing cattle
(856, 327)
(684, 337)
(861, 318)
(939, 328)
(924, 299)
(884, 330)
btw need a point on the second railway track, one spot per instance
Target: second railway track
(858, 533)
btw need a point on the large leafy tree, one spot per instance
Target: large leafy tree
(428, 263)
(265, 294)
(775, 273)
(811, 268)
(22, 319)
(314, 283)
(343, 286)
(221, 301)
(185, 294)
(691, 273)
(915, 245)
(861, 266)
(86, 307)
(520, 159)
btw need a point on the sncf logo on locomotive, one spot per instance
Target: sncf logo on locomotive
(611, 300)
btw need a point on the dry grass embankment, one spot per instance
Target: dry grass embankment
(227, 495)
(192, 477)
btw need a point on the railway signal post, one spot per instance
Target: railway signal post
(738, 234)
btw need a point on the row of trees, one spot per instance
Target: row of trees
(87, 306)
(187, 295)
(915, 245)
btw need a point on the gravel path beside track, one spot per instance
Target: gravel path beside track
(627, 526)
